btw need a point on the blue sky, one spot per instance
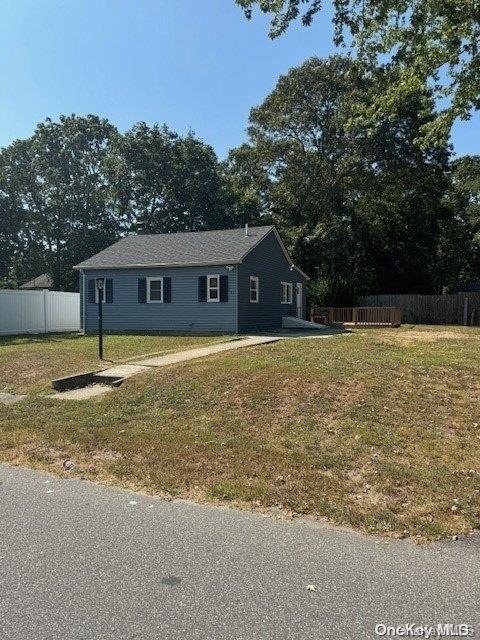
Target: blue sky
(193, 64)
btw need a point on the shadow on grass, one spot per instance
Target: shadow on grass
(30, 338)
(302, 333)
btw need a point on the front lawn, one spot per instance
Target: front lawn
(379, 430)
(29, 363)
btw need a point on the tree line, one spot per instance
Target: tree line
(362, 209)
(434, 42)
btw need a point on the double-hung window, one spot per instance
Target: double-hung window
(286, 293)
(254, 289)
(213, 288)
(154, 289)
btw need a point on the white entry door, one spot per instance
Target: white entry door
(299, 300)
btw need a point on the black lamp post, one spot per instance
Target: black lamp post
(100, 283)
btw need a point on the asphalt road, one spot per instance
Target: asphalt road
(81, 561)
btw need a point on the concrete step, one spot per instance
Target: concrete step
(116, 375)
(82, 393)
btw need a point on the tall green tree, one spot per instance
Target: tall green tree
(167, 182)
(10, 241)
(459, 247)
(424, 40)
(360, 211)
(19, 253)
(77, 213)
(245, 185)
(58, 184)
(76, 185)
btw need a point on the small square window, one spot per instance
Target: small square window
(213, 288)
(254, 289)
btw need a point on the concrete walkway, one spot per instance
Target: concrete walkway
(10, 398)
(124, 371)
(121, 371)
(191, 354)
(133, 368)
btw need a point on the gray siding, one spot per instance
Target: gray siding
(184, 313)
(268, 262)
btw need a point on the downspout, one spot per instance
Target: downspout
(82, 273)
(237, 272)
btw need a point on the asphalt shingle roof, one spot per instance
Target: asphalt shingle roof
(181, 249)
(43, 281)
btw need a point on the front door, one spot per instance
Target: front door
(299, 300)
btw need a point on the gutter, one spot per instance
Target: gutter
(154, 265)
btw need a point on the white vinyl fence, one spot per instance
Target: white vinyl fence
(38, 311)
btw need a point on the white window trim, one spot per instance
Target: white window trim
(103, 290)
(149, 280)
(217, 276)
(290, 293)
(257, 280)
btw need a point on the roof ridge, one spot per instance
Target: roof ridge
(179, 233)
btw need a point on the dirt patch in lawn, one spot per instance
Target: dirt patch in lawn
(410, 336)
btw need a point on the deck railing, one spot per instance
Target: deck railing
(357, 316)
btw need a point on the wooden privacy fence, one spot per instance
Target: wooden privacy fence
(457, 308)
(358, 316)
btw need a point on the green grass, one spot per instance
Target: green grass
(378, 430)
(29, 363)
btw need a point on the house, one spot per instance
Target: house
(234, 280)
(43, 281)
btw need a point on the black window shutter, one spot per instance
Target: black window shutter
(142, 290)
(167, 289)
(91, 291)
(202, 288)
(108, 290)
(223, 288)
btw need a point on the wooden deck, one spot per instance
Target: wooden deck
(357, 316)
